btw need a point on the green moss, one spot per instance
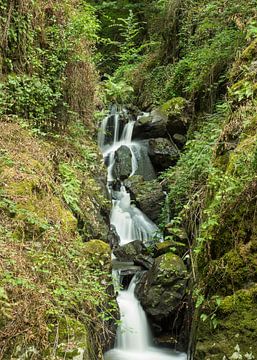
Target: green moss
(250, 52)
(72, 336)
(98, 253)
(237, 324)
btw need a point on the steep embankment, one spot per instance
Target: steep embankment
(52, 283)
(55, 280)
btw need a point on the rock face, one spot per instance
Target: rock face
(151, 125)
(162, 288)
(163, 153)
(130, 251)
(113, 238)
(122, 167)
(178, 114)
(144, 165)
(162, 292)
(148, 195)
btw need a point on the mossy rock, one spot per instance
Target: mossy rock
(237, 324)
(98, 253)
(148, 195)
(73, 336)
(169, 246)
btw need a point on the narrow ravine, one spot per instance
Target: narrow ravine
(134, 339)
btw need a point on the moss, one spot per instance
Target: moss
(72, 336)
(250, 52)
(237, 324)
(170, 262)
(55, 282)
(168, 246)
(98, 253)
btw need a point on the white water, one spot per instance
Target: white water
(133, 335)
(130, 223)
(133, 341)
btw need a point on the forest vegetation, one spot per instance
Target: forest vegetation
(62, 63)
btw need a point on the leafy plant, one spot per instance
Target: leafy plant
(71, 186)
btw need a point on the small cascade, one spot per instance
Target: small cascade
(133, 341)
(133, 332)
(130, 223)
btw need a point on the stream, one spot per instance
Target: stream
(134, 338)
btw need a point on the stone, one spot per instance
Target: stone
(162, 288)
(180, 140)
(163, 153)
(168, 246)
(130, 251)
(144, 165)
(113, 238)
(146, 261)
(178, 114)
(151, 125)
(148, 195)
(122, 167)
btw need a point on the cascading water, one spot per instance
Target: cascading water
(133, 341)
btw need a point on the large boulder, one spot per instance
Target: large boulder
(163, 153)
(148, 195)
(178, 113)
(151, 125)
(130, 251)
(162, 288)
(144, 166)
(123, 165)
(162, 292)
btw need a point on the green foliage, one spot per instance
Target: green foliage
(37, 50)
(194, 166)
(117, 91)
(129, 31)
(71, 186)
(30, 98)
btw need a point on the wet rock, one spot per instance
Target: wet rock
(162, 288)
(113, 238)
(144, 165)
(163, 153)
(151, 125)
(180, 140)
(145, 261)
(122, 167)
(148, 195)
(130, 251)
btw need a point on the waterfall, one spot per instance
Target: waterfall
(133, 340)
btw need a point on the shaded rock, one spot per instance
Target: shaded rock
(145, 261)
(163, 153)
(176, 247)
(130, 251)
(144, 165)
(162, 288)
(162, 292)
(180, 140)
(178, 114)
(148, 195)
(151, 125)
(113, 238)
(122, 167)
